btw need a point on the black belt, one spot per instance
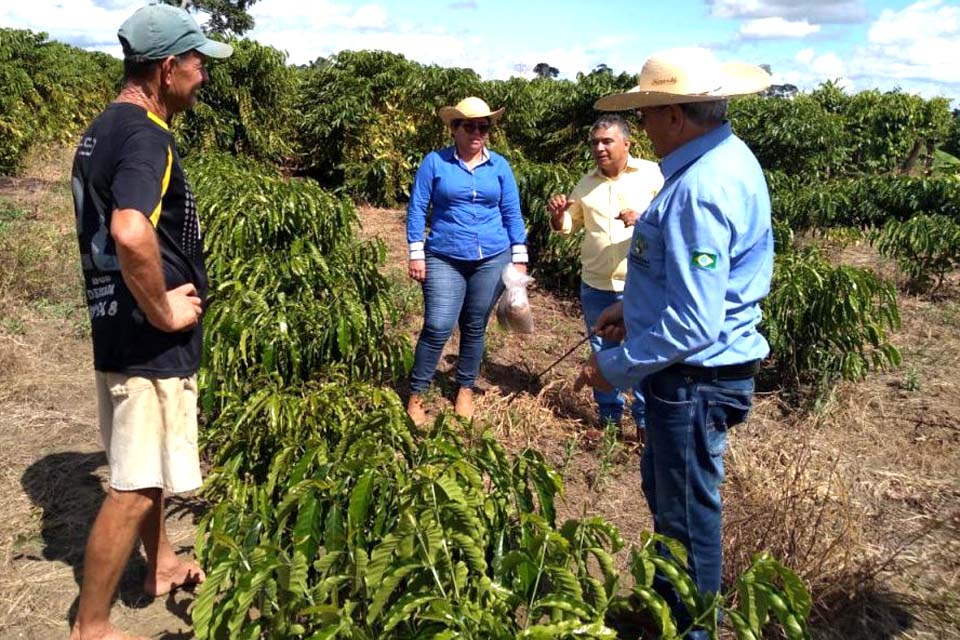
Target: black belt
(725, 372)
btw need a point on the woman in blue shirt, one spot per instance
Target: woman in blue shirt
(476, 230)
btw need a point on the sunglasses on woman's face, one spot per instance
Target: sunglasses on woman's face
(474, 127)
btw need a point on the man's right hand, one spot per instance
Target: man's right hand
(418, 270)
(610, 325)
(557, 205)
(183, 310)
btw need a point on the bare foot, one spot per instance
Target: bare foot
(182, 574)
(100, 632)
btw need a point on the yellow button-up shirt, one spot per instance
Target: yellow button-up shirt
(595, 203)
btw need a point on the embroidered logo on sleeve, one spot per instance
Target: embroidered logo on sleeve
(704, 260)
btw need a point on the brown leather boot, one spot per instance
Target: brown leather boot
(464, 403)
(415, 410)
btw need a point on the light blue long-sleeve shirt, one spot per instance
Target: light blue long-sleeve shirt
(700, 262)
(476, 214)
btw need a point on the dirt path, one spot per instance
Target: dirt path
(874, 475)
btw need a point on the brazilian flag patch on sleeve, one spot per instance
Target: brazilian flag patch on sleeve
(704, 260)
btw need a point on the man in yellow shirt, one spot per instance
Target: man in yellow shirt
(605, 204)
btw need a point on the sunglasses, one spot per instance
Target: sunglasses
(474, 127)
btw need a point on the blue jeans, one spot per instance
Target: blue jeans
(456, 291)
(609, 403)
(682, 469)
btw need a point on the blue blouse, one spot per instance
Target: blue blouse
(475, 214)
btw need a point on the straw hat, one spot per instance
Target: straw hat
(678, 76)
(469, 108)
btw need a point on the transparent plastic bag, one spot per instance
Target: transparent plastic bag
(513, 310)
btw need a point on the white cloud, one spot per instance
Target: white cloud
(812, 69)
(322, 14)
(920, 21)
(804, 56)
(88, 23)
(371, 16)
(323, 28)
(814, 11)
(915, 48)
(771, 28)
(829, 66)
(124, 5)
(305, 44)
(920, 42)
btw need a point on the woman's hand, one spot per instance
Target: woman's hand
(521, 267)
(417, 270)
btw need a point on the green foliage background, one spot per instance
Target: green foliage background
(335, 517)
(359, 122)
(48, 92)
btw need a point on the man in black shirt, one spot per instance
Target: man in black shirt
(142, 259)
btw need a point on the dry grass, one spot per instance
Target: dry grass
(787, 494)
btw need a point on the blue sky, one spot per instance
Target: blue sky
(863, 43)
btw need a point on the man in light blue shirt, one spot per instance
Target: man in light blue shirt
(699, 264)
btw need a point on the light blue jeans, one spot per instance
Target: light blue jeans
(456, 292)
(681, 469)
(609, 403)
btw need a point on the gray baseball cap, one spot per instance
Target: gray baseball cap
(160, 30)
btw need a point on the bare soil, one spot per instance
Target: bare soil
(861, 495)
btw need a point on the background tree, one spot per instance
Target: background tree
(952, 144)
(544, 70)
(778, 90)
(227, 17)
(781, 90)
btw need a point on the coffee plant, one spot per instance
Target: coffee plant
(555, 258)
(795, 136)
(826, 322)
(926, 248)
(362, 528)
(49, 91)
(296, 296)
(369, 118)
(248, 107)
(860, 202)
(333, 517)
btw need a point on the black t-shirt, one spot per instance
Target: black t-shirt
(127, 160)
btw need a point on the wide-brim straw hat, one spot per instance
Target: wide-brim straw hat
(679, 76)
(469, 108)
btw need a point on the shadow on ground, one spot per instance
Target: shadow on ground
(512, 378)
(871, 613)
(68, 489)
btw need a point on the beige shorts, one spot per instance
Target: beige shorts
(149, 429)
